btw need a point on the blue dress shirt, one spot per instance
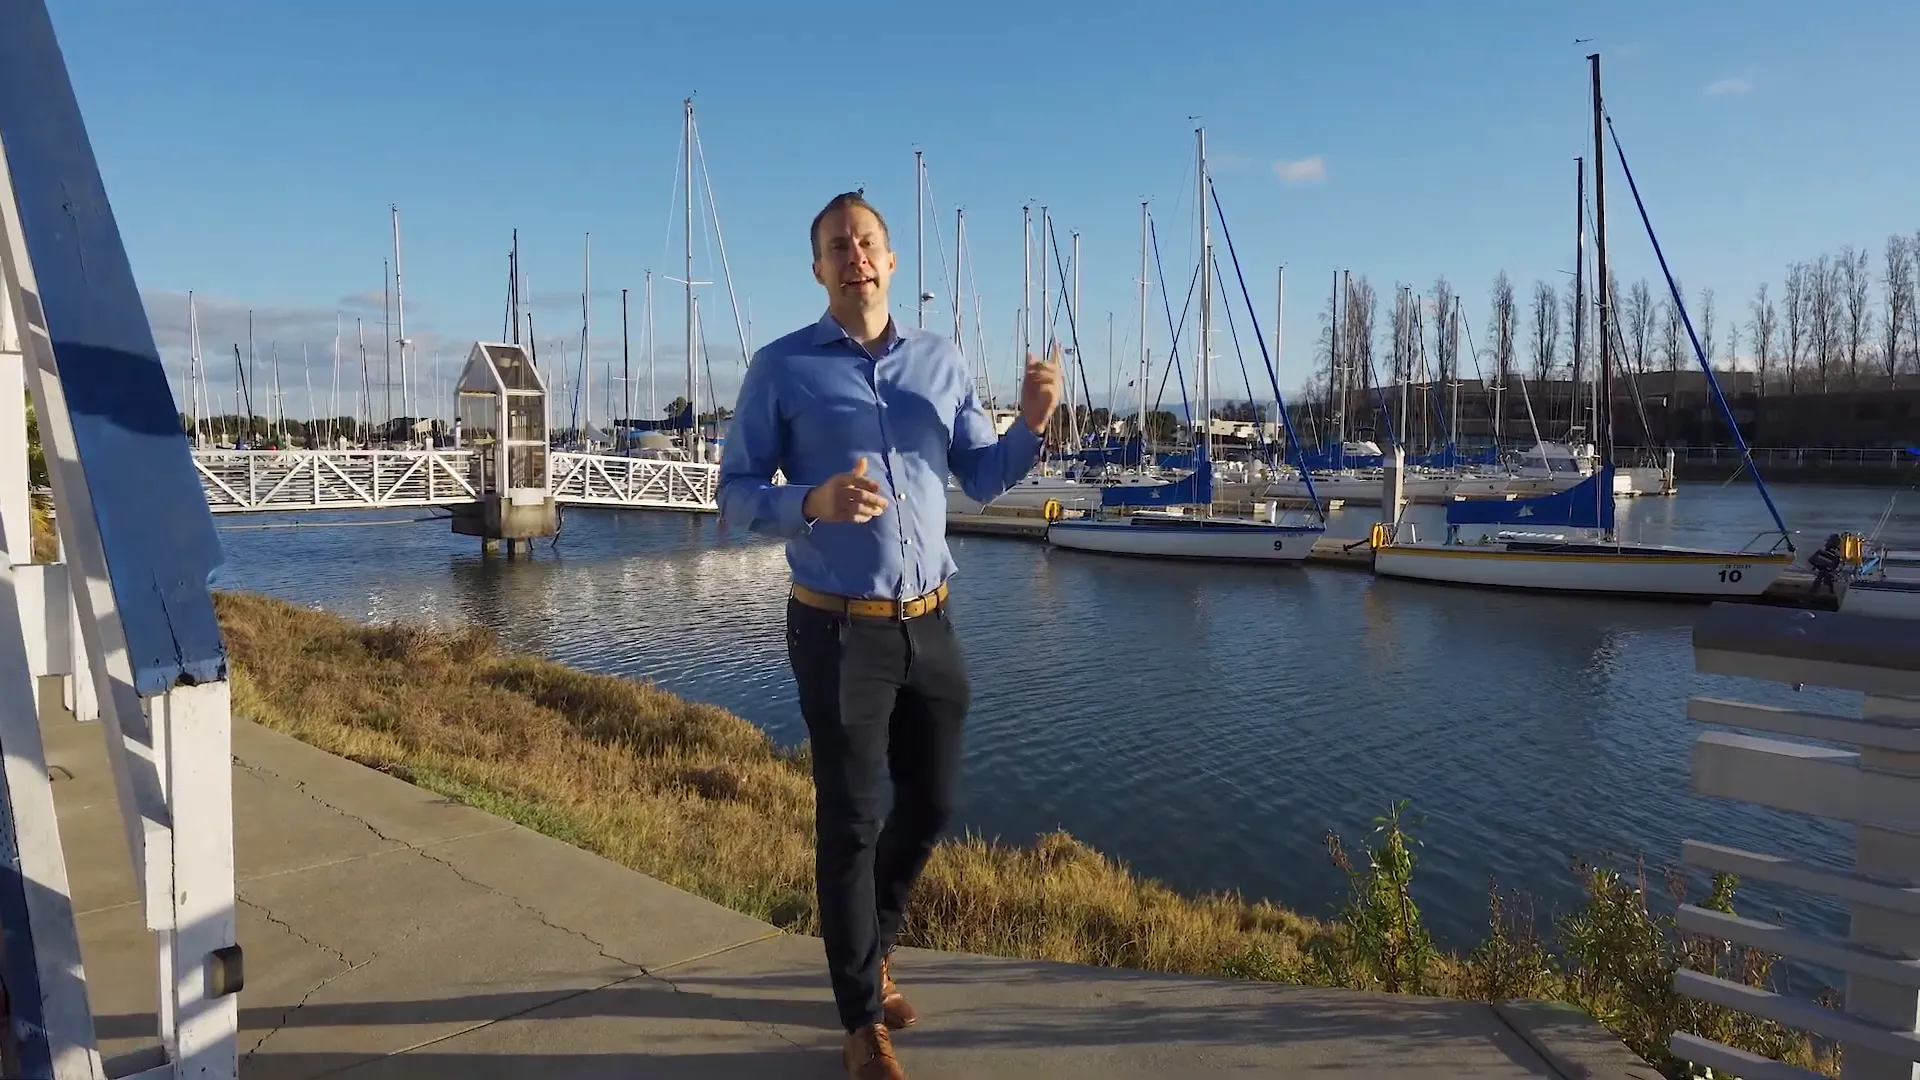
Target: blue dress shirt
(816, 400)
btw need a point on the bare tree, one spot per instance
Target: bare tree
(1673, 336)
(1575, 360)
(1402, 337)
(1636, 324)
(1796, 328)
(1897, 299)
(1823, 318)
(1706, 325)
(1501, 330)
(1443, 354)
(1356, 348)
(1913, 302)
(1546, 330)
(1855, 283)
(1761, 330)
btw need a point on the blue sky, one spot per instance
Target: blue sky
(251, 151)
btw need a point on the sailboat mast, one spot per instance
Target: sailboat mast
(959, 260)
(1580, 280)
(1603, 419)
(920, 240)
(1453, 350)
(386, 328)
(586, 337)
(407, 404)
(687, 164)
(513, 288)
(1073, 326)
(653, 395)
(1279, 316)
(626, 373)
(333, 397)
(1046, 294)
(1405, 366)
(1141, 429)
(1205, 372)
(1026, 280)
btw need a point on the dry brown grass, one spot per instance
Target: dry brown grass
(687, 793)
(46, 547)
(698, 797)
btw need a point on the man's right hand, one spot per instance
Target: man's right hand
(846, 497)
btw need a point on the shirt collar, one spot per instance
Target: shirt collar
(828, 329)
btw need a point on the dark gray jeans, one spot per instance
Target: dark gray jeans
(875, 693)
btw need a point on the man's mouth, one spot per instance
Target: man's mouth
(855, 283)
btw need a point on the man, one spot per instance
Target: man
(866, 419)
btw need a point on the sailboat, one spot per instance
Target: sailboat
(1160, 527)
(1599, 563)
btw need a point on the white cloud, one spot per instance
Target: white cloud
(1733, 85)
(1301, 170)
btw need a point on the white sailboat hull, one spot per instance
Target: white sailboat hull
(1168, 537)
(1892, 591)
(1624, 570)
(1035, 492)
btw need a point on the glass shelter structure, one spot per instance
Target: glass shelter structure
(501, 405)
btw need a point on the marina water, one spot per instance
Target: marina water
(1207, 725)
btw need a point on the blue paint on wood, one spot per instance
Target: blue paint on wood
(148, 504)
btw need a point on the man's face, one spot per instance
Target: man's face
(855, 261)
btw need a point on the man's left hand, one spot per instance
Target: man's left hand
(1040, 392)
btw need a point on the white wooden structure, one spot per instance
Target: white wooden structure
(247, 481)
(138, 546)
(501, 402)
(1875, 786)
(251, 481)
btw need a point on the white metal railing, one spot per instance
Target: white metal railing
(605, 480)
(1811, 457)
(1876, 787)
(244, 481)
(239, 481)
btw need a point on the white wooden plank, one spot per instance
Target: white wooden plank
(58, 1022)
(1725, 1059)
(1786, 669)
(1795, 1013)
(1792, 943)
(1803, 779)
(1860, 731)
(199, 734)
(46, 616)
(1840, 884)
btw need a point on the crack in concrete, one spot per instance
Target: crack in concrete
(287, 1016)
(417, 849)
(288, 927)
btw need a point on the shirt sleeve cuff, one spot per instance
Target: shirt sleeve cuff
(793, 518)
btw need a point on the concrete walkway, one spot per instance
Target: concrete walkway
(391, 933)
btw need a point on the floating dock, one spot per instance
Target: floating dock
(1796, 587)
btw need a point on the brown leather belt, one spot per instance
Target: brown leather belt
(872, 609)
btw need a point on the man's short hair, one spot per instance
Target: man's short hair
(843, 201)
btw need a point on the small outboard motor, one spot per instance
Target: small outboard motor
(1825, 563)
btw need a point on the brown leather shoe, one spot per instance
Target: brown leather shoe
(869, 1055)
(893, 1004)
